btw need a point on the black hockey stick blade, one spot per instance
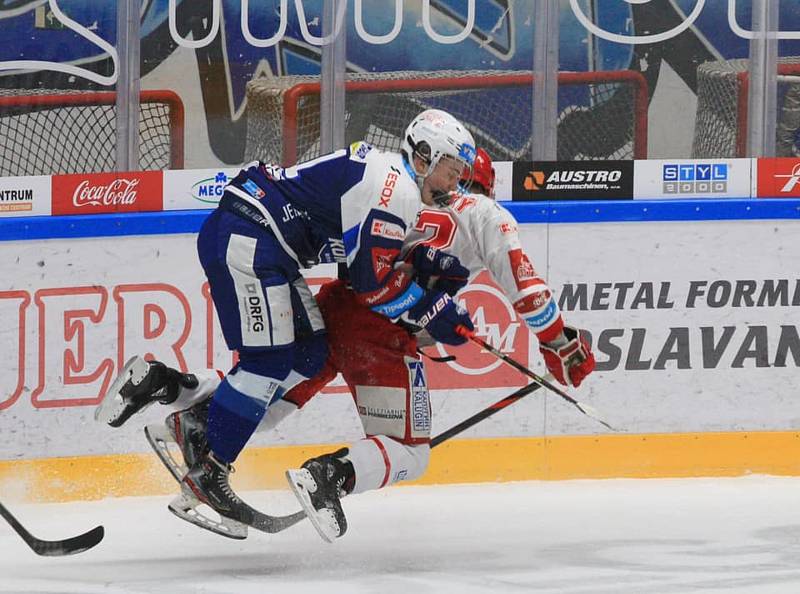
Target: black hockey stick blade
(274, 524)
(55, 548)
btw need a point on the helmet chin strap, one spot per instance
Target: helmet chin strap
(442, 198)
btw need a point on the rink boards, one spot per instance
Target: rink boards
(693, 313)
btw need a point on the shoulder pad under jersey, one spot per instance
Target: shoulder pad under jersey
(359, 150)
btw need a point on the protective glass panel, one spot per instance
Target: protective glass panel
(471, 58)
(695, 57)
(58, 75)
(787, 116)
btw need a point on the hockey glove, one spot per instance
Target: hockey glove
(440, 316)
(571, 361)
(437, 271)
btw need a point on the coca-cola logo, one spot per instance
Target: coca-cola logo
(81, 193)
(118, 191)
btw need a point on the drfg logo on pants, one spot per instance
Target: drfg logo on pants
(496, 322)
(255, 308)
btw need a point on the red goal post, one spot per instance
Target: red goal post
(290, 107)
(52, 131)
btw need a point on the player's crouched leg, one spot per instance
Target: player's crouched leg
(379, 461)
(368, 464)
(397, 421)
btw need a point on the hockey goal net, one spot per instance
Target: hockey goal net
(603, 115)
(48, 132)
(722, 94)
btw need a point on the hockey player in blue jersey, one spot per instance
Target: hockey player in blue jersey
(352, 206)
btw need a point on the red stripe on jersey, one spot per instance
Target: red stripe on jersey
(385, 460)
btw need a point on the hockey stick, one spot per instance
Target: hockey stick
(584, 408)
(486, 413)
(54, 548)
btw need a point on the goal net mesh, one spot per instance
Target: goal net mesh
(722, 95)
(602, 114)
(49, 132)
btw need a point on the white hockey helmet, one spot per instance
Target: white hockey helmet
(434, 134)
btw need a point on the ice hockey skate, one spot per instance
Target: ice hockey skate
(207, 483)
(180, 443)
(186, 431)
(140, 384)
(319, 485)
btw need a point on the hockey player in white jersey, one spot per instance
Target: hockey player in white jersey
(483, 235)
(354, 206)
(378, 359)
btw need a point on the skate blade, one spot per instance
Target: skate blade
(185, 506)
(160, 438)
(298, 481)
(113, 404)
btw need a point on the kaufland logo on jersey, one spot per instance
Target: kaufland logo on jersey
(210, 189)
(387, 230)
(695, 178)
(497, 323)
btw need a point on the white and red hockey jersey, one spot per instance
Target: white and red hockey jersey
(483, 235)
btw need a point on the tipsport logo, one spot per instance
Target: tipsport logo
(695, 178)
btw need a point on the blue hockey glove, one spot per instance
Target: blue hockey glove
(441, 317)
(436, 270)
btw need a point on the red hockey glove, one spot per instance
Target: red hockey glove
(571, 362)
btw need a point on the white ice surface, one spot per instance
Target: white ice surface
(614, 536)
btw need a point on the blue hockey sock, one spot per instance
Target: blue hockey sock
(232, 419)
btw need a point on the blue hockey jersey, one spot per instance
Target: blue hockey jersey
(354, 205)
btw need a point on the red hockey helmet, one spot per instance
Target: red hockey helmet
(482, 175)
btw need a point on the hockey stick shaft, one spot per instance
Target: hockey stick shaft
(54, 548)
(585, 409)
(485, 413)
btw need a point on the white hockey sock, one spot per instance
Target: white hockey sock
(380, 461)
(207, 382)
(276, 412)
(280, 409)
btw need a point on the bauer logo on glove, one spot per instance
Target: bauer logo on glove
(434, 310)
(441, 317)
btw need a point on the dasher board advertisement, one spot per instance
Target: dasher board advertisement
(693, 324)
(686, 179)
